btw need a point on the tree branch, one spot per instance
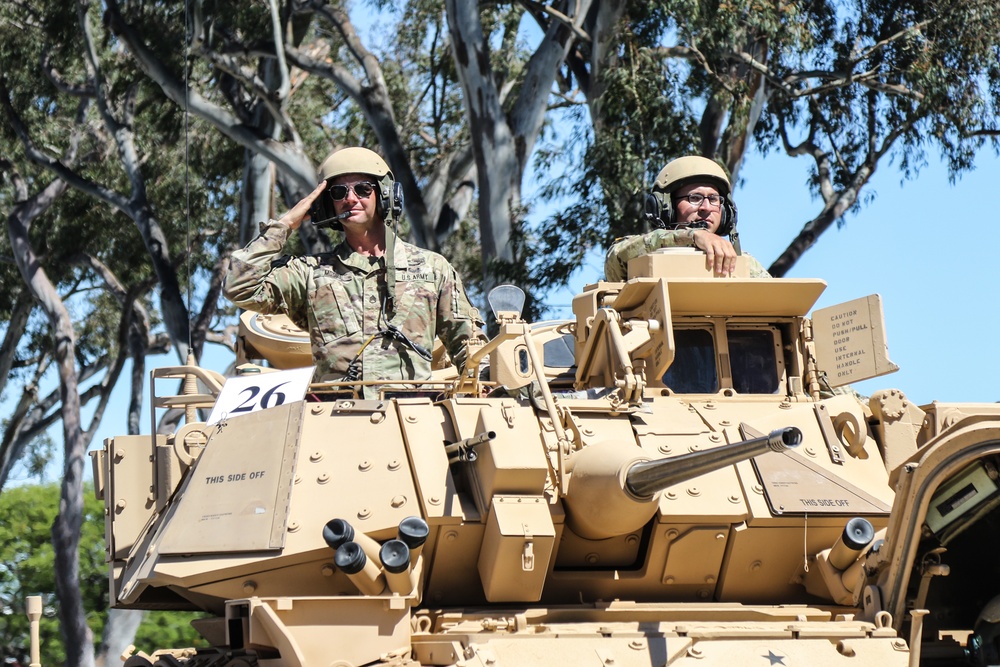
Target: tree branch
(292, 161)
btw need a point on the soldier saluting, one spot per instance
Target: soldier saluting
(374, 304)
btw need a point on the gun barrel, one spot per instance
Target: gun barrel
(645, 478)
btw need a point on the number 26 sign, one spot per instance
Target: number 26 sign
(249, 393)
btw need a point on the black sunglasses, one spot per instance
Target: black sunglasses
(362, 189)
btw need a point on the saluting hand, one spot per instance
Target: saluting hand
(295, 215)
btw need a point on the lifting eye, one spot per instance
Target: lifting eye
(851, 433)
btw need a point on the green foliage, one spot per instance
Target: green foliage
(27, 568)
(34, 462)
(644, 122)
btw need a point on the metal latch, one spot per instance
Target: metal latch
(528, 557)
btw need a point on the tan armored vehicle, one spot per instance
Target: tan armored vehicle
(677, 477)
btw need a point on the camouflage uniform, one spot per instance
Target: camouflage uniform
(630, 247)
(336, 297)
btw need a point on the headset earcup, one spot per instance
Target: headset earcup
(390, 199)
(655, 213)
(383, 200)
(729, 218)
(667, 213)
(651, 210)
(397, 200)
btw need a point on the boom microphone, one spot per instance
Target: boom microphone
(700, 224)
(329, 222)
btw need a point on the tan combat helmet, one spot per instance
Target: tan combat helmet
(357, 160)
(681, 172)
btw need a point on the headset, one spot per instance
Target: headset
(390, 200)
(388, 204)
(660, 211)
(357, 160)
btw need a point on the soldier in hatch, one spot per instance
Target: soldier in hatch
(373, 305)
(692, 205)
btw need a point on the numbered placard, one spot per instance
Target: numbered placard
(250, 393)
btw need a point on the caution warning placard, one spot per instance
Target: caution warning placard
(850, 341)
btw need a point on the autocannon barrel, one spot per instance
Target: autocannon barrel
(645, 478)
(613, 488)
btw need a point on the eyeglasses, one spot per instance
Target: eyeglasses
(362, 189)
(695, 199)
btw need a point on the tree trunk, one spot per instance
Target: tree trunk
(503, 143)
(493, 142)
(119, 634)
(15, 329)
(602, 26)
(77, 637)
(256, 200)
(9, 453)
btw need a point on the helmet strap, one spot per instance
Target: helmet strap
(390, 207)
(390, 267)
(734, 238)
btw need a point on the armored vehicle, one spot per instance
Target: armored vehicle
(680, 475)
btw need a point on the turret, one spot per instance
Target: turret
(614, 487)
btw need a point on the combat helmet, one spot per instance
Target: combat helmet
(681, 172)
(357, 160)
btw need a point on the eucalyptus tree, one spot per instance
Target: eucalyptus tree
(454, 94)
(505, 127)
(291, 81)
(66, 526)
(90, 174)
(122, 231)
(882, 83)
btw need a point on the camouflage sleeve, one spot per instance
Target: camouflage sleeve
(257, 282)
(757, 270)
(630, 247)
(457, 319)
